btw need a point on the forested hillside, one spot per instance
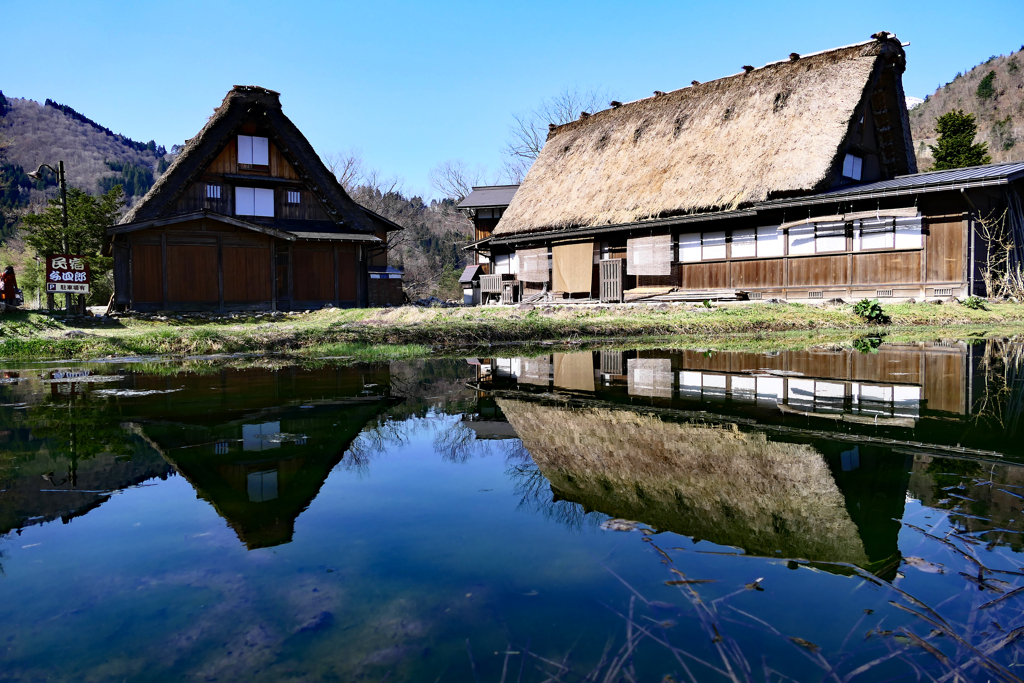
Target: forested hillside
(95, 158)
(994, 93)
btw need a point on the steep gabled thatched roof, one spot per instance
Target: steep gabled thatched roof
(246, 103)
(775, 131)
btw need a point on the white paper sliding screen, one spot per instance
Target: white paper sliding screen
(689, 247)
(254, 201)
(887, 233)
(769, 242)
(829, 237)
(253, 151)
(713, 244)
(801, 239)
(533, 265)
(908, 233)
(649, 255)
(744, 243)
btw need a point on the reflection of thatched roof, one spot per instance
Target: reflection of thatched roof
(777, 130)
(726, 486)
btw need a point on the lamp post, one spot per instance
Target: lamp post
(59, 172)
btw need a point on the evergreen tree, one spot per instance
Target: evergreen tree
(955, 147)
(88, 219)
(986, 89)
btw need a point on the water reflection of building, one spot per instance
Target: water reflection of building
(257, 444)
(803, 453)
(261, 447)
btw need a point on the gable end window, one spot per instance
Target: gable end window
(294, 197)
(212, 191)
(852, 166)
(253, 151)
(254, 201)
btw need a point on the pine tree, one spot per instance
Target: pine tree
(88, 220)
(955, 147)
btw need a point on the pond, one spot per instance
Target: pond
(657, 515)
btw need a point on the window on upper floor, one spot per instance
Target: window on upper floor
(852, 166)
(254, 201)
(212, 191)
(253, 151)
(294, 197)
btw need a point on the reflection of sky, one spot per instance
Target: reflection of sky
(254, 436)
(441, 545)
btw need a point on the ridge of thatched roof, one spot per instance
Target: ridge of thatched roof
(710, 482)
(778, 130)
(245, 103)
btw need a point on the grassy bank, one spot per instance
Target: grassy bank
(375, 334)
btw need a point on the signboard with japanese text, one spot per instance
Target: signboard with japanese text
(66, 274)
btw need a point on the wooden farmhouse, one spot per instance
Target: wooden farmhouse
(795, 180)
(248, 217)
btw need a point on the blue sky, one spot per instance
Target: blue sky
(413, 84)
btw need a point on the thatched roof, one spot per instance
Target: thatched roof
(242, 104)
(779, 130)
(719, 484)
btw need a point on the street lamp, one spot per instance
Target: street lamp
(59, 172)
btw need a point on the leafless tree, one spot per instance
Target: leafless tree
(529, 130)
(454, 179)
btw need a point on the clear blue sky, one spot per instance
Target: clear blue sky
(412, 84)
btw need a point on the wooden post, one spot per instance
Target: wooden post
(163, 268)
(49, 302)
(336, 291)
(273, 274)
(220, 273)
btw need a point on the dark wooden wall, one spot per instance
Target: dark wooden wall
(207, 265)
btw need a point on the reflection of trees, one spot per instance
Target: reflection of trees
(79, 427)
(536, 496)
(1001, 397)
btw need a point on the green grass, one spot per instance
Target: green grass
(377, 334)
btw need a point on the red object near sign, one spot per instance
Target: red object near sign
(67, 274)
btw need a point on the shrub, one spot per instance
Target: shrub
(867, 344)
(871, 311)
(974, 302)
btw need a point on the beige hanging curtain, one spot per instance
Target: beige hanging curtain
(649, 255)
(533, 264)
(573, 266)
(574, 371)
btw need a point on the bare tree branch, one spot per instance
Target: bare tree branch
(454, 180)
(529, 130)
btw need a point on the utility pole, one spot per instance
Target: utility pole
(59, 172)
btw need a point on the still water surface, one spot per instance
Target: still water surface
(825, 514)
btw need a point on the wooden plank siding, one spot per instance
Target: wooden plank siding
(246, 274)
(192, 273)
(147, 273)
(212, 266)
(313, 273)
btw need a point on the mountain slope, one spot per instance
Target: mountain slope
(47, 133)
(994, 93)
